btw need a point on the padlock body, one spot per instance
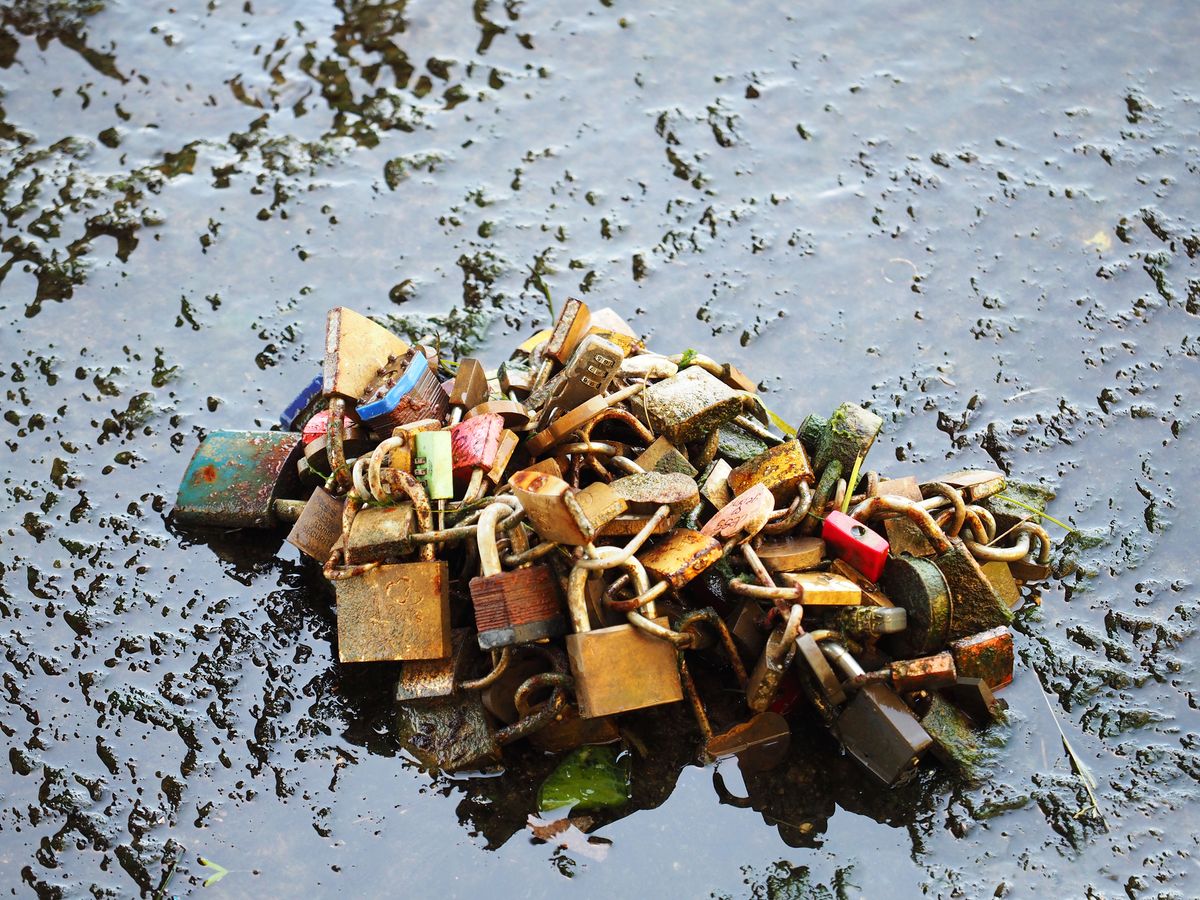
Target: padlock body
(355, 349)
(843, 437)
(433, 463)
(955, 743)
(823, 588)
(425, 679)
(474, 444)
(686, 406)
(394, 612)
(781, 468)
(319, 526)
(680, 556)
(880, 731)
(378, 533)
(977, 605)
(987, 655)
(792, 554)
(919, 587)
(305, 404)
(403, 393)
(926, 673)
(234, 477)
(622, 668)
(856, 543)
(768, 672)
(517, 607)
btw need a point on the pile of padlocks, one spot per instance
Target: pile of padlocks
(551, 544)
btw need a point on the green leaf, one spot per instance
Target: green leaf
(687, 358)
(219, 873)
(1035, 511)
(587, 778)
(851, 482)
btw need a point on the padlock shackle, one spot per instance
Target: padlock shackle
(1025, 533)
(485, 532)
(826, 485)
(407, 484)
(594, 560)
(756, 566)
(378, 455)
(955, 497)
(336, 434)
(544, 715)
(688, 624)
(796, 513)
(500, 660)
(874, 507)
(837, 654)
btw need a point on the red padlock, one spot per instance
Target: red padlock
(318, 425)
(857, 544)
(474, 444)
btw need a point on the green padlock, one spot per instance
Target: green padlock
(433, 464)
(844, 436)
(242, 479)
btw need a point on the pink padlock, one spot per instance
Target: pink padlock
(474, 444)
(851, 540)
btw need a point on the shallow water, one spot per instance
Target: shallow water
(982, 221)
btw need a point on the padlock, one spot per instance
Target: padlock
(862, 622)
(569, 422)
(955, 743)
(554, 508)
(742, 517)
(774, 661)
(474, 447)
(608, 323)
(588, 373)
(663, 456)
(903, 536)
(976, 605)
(823, 588)
(681, 556)
(355, 350)
(780, 469)
(241, 479)
(304, 406)
(513, 607)
(975, 698)
(844, 437)
(453, 733)
(876, 727)
(792, 554)
(999, 575)
(406, 390)
(470, 388)
(396, 611)
(687, 406)
(400, 449)
(926, 673)
(573, 322)
(319, 525)
(714, 484)
(872, 595)
(856, 543)
(987, 655)
(646, 367)
(433, 463)
(619, 668)
(745, 623)
(567, 729)
(379, 534)
(318, 427)
(975, 485)
(516, 379)
(645, 492)
(427, 679)
(736, 445)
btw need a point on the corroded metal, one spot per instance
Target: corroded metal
(235, 476)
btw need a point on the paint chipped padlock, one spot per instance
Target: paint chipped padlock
(560, 514)
(844, 437)
(241, 479)
(689, 405)
(513, 607)
(396, 611)
(926, 673)
(454, 733)
(876, 727)
(622, 667)
(304, 405)
(474, 451)
(355, 350)
(854, 542)
(663, 456)
(987, 655)
(781, 469)
(405, 390)
(976, 604)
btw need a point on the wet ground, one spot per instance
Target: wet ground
(984, 222)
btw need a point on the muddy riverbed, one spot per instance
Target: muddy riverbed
(984, 221)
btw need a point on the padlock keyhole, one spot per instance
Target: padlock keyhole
(858, 531)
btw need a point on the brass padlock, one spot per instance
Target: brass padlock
(646, 491)
(681, 556)
(470, 388)
(556, 511)
(663, 456)
(512, 607)
(823, 588)
(687, 406)
(792, 554)
(619, 668)
(355, 350)
(399, 611)
(379, 533)
(319, 525)
(780, 469)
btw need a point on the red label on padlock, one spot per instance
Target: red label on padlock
(318, 425)
(474, 444)
(857, 544)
